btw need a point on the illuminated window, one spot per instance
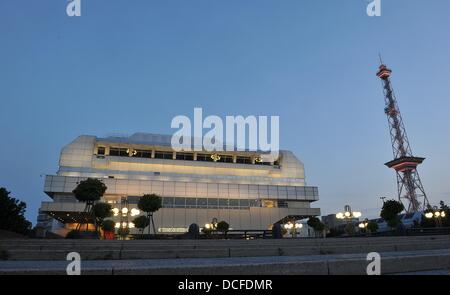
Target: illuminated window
(268, 204)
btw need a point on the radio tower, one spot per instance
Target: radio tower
(405, 164)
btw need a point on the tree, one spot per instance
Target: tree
(141, 222)
(108, 225)
(89, 191)
(12, 213)
(102, 211)
(223, 227)
(316, 224)
(150, 203)
(372, 226)
(390, 212)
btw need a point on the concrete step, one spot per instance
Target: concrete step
(100, 250)
(348, 264)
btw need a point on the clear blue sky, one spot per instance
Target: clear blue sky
(128, 66)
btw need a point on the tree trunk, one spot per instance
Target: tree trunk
(153, 223)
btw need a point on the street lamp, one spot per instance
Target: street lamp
(211, 226)
(348, 214)
(293, 227)
(364, 224)
(437, 215)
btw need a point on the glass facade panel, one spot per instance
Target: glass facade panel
(185, 156)
(118, 152)
(168, 202)
(223, 203)
(213, 203)
(163, 155)
(191, 203)
(202, 203)
(180, 202)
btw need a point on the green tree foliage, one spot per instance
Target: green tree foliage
(223, 226)
(102, 211)
(12, 213)
(108, 225)
(141, 222)
(150, 203)
(89, 190)
(316, 224)
(390, 211)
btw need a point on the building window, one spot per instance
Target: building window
(168, 202)
(243, 160)
(204, 158)
(262, 163)
(185, 156)
(213, 203)
(202, 203)
(143, 154)
(133, 199)
(163, 155)
(225, 159)
(180, 202)
(268, 204)
(254, 203)
(234, 204)
(282, 204)
(101, 150)
(244, 203)
(118, 152)
(191, 203)
(223, 203)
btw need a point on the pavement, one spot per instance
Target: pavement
(400, 262)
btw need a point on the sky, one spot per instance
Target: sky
(131, 66)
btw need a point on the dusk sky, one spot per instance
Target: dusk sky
(131, 66)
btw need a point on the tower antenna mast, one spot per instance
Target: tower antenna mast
(409, 186)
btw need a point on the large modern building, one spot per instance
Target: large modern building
(195, 187)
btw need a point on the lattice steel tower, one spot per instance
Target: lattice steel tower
(405, 164)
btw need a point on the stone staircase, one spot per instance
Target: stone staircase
(36, 249)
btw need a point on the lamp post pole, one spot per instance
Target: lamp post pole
(348, 214)
(293, 226)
